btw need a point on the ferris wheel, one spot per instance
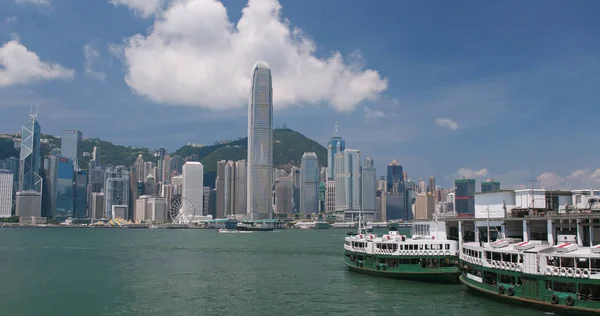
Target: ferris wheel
(182, 211)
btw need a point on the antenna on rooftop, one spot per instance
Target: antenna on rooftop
(532, 192)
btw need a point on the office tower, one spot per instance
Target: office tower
(193, 185)
(330, 196)
(12, 164)
(465, 197)
(166, 169)
(424, 206)
(65, 195)
(405, 175)
(116, 190)
(168, 191)
(347, 183)
(431, 188)
(396, 200)
(422, 186)
(148, 166)
(225, 185)
(395, 178)
(206, 200)
(335, 145)
(295, 175)
(380, 204)
(369, 185)
(29, 167)
(260, 143)
(490, 185)
(323, 174)
(81, 194)
(149, 185)
(70, 146)
(322, 196)
(6, 193)
(283, 195)
(309, 184)
(241, 174)
(28, 205)
(97, 205)
(50, 176)
(177, 182)
(139, 168)
(176, 164)
(96, 155)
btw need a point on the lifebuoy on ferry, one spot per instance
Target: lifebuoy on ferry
(548, 271)
(570, 271)
(554, 299)
(447, 253)
(511, 291)
(563, 271)
(500, 289)
(512, 266)
(578, 273)
(378, 267)
(384, 267)
(585, 273)
(555, 270)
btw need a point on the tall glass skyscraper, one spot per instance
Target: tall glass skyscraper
(335, 145)
(65, 195)
(70, 146)
(309, 184)
(260, 143)
(29, 167)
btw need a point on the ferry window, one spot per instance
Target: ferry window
(564, 287)
(583, 263)
(488, 254)
(426, 247)
(421, 247)
(447, 246)
(567, 262)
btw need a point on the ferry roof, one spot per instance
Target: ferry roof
(544, 248)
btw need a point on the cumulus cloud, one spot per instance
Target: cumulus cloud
(18, 65)
(470, 173)
(194, 55)
(446, 122)
(10, 19)
(144, 8)
(578, 179)
(36, 2)
(372, 115)
(91, 56)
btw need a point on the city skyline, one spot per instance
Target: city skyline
(479, 98)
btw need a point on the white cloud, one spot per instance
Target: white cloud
(578, 179)
(446, 122)
(372, 115)
(91, 56)
(36, 2)
(10, 19)
(144, 8)
(194, 55)
(470, 173)
(18, 65)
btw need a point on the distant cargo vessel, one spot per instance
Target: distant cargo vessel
(254, 227)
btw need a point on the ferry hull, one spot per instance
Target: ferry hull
(434, 275)
(579, 308)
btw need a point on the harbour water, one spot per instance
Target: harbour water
(79, 271)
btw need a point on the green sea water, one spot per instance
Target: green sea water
(91, 271)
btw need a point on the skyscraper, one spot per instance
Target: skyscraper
(490, 185)
(309, 184)
(81, 194)
(193, 185)
(369, 185)
(6, 193)
(260, 143)
(347, 183)
(395, 178)
(29, 168)
(464, 197)
(335, 145)
(65, 196)
(70, 146)
(431, 188)
(116, 189)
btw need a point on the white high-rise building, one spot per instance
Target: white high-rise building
(347, 184)
(260, 144)
(6, 193)
(309, 184)
(193, 185)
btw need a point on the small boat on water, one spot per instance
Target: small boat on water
(369, 229)
(227, 231)
(254, 227)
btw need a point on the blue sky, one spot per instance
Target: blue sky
(502, 89)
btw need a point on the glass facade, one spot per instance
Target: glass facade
(81, 194)
(260, 144)
(335, 145)
(309, 184)
(70, 146)
(490, 186)
(465, 196)
(65, 194)
(29, 167)
(395, 178)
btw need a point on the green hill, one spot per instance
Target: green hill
(288, 147)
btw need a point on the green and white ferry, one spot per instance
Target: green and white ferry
(426, 256)
(560, 277)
